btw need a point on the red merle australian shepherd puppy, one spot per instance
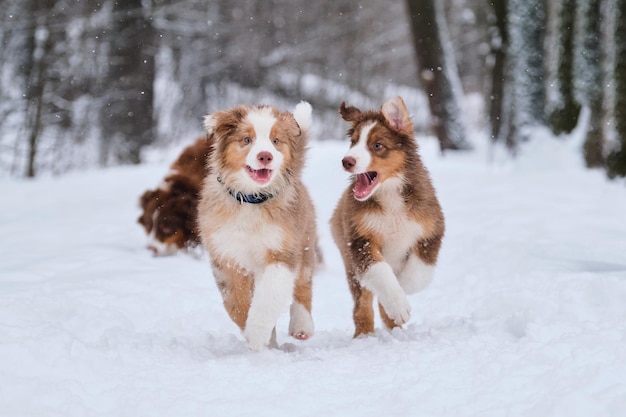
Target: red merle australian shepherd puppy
(388, 224)
(257, 221)
(169, 211)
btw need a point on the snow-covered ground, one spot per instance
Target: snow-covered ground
(526, 315)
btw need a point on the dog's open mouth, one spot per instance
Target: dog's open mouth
(365, 184)
(262, 176)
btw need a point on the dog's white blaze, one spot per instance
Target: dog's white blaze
(160, 248)
(301, 320)
(360, 151)
(235, 240)
(152, 235)
(273, 290)
(381, 280)
(262, 121)
(416, 275)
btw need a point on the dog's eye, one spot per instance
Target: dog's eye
(168, 229)
(275, 141)
(377, 146)
(247, 140)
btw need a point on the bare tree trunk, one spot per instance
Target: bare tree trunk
(616, 160)
(34, 125)
(127, 118)
(499, 46)
(592, 148)
(39, 48)
(590, 79)
(437, 69)
(563, 109)
(526, 23)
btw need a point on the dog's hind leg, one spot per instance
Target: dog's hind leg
(301, 322)
(363, 313)
(419, 269)
(416, 275)
(236, 290)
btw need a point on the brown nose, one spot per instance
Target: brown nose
(348, 163)
(264, 157)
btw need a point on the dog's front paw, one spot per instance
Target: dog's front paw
(301, 323)
(300, 336)
(397, 308)
(380, 279)
(257, 337)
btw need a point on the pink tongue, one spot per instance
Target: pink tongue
(362, 186)
(261, 175)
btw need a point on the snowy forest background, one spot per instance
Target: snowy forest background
(86, 83)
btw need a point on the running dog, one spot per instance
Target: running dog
(388, 225)
(257, 220)
(169, 211)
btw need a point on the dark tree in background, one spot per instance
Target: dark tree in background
(499, 44)
(525, 63)
(562, 109)
(127, 117)
(37, 54)
(616, 160)
(589, 76)
(84, 83)
(468, 24)
(437, 72)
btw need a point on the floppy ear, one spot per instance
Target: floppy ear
(397, 115)
(302, 113)
(145, 198)
(223, 122)
(209, 124)
(349, 114)
(290, 123)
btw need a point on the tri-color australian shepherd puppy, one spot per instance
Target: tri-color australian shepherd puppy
(257, 220)
(388, 225)
(169, 211)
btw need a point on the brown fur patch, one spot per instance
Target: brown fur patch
(390, 324)
(236, 289)
(363, 313)
(303, 292)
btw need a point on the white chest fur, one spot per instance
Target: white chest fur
(398, 233)
(245, 239)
